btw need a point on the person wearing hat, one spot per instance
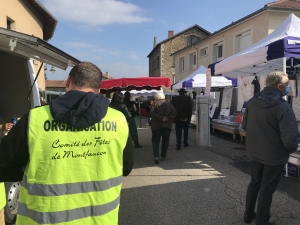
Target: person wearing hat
(184, 107)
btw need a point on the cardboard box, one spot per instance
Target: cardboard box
(293, 171)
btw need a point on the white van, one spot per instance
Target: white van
(18, 88)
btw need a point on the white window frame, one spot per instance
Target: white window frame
(220, 42)
(202, 48)
(239, 33)
(193, 60)
(181, 64)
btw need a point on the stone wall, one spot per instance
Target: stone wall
(154, 66)
(173, 45)
(166, 65)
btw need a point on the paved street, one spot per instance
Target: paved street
(197, 185)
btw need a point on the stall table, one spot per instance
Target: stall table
(230, 130)
(242, 134)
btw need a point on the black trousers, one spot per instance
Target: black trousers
(264, 182)
(164, 134)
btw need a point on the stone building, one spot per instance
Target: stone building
(160, 61)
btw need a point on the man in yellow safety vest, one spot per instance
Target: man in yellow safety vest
(74, 153)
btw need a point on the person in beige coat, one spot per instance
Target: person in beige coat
(162, 113)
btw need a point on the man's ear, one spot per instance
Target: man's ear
(68, 82)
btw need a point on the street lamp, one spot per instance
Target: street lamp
(173, 75)
(52, 70)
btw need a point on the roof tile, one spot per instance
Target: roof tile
(55, 83)
(292, 4)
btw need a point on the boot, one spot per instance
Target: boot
(137, 144)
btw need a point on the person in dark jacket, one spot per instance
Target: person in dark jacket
(184, 108)
(272, 134)
(118, 104)
(162, 113)
(77, 107)
(132, 125)
(148, 108)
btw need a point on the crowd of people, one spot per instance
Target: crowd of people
(161, 115)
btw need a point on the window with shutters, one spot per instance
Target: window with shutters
(181, 64)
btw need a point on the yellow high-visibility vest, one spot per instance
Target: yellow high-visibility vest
(74, 176)
(2, 196)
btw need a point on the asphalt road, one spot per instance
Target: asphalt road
(197, 185)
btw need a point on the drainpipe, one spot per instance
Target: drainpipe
(196, 56)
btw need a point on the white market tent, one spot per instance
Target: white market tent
(198, 79)
(278, 51)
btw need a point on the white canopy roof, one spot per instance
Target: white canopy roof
(198, 79)
(259, 59)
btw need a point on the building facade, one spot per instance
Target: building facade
(161, 63)
(28, 17)
(234, 38)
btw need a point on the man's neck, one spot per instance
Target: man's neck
(84, 90)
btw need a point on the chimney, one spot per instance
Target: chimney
(154, 42)
(170, 33)
(107, 74)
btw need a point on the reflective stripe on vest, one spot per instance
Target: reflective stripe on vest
(74, 176)
(67, 215)
(2, 196)
(67, 189)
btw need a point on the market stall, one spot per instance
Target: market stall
(198, 80)
(134, 84)
(278, 51)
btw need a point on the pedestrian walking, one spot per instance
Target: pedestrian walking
(194, 95)
(184, 108)
(75, 151)
(272, 134)
(162, 113)
(132, 125)
(118, 104)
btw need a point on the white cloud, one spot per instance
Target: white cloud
(96, 12)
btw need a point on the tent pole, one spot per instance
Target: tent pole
(284, 70)
(284, 64)
(285, 98)
(140, 113)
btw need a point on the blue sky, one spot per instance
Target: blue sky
(118, 35)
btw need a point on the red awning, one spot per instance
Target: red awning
(138, 83)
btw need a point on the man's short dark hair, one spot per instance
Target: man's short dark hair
(86, 75)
